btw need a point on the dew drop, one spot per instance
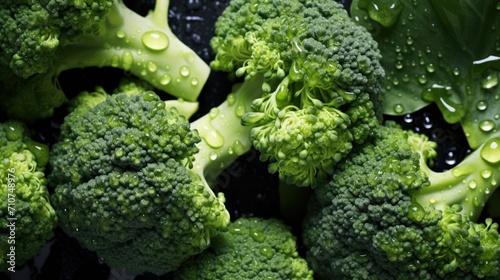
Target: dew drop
(486, 173)
(231, 99)
(398, 108)
(239, 148)
(127, 60)
(430, 68)
(165, 79)
(481, 105)
(195, 82)
(155, 40)
(490, 151)
(490, 81)
(115, 60)
(214, 112)
(399, 65)
(240, 109)
(266, 251)
(472, 185)
(456, 71)
(120, 34)
(211, 136)
(152, 67)
(408, 118)
(184, 71)
(422, 79)
(416, 212)
(257, 235)
(213, 156)
(487, 125)
(450, 158)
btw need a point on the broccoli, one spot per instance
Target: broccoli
(252, 248)
(44, 38)
(27, 218)
(386, 215)
(320, 76)
(443, 52)
(130, 177)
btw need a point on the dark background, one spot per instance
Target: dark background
(249, 189)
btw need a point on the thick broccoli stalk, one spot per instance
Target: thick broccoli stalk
(321, 77)
(377, 218)
(27, 218)
(130, 177)
(450, 56)
(252, 248)
(46, 38)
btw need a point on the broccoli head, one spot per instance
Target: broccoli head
(27, 217)
(386, 215)
(252, 248)
(131, 176)
(44, 38)
(320, 77)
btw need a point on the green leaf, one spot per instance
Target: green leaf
(442, 51)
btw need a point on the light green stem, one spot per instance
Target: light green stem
(224, 138)
(143, 46)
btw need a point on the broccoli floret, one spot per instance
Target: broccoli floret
(27, 218)
(252, 248)
(386, 215)
(449, 56)
(130, 177)
(320, 77)
(44, 38)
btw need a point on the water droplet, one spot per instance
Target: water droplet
(456, 71)
(155, 40)
(490, 81)
(430, 68)
(257, 235)
(266, 251)
(408, 118)
(416, 212)
(214, 112)
(399, 65)
(166, 79)
(481, 105)
(490, 151)
(127, 60)
(195, 81)
(115, 60)
(240, 109)
(398, 108)
(487, 125)
(213, 156)
(211, 136)
(120, 34)
(230, 99)
(409, 41)
(152, 67)
(472, 184)
(239, 148)
(422, 79)
(382, 11)
(450, 158)
(486, 173)
(184, 71)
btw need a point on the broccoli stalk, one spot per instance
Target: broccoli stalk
(470, 184)
(49, 37)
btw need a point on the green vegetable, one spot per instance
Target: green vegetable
(252, 248)
(320, 76)
(44, 38)
(27, 218)
(386, 215)
(439, 51)
(130, 177)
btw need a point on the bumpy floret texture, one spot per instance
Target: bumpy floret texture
(123, 187)
(365, 225)
(33, 30)
(252, 248)
(26, 215)
(321, 79)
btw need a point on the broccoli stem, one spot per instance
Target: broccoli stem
(470, 184)
(224, 138)
(143, 46)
